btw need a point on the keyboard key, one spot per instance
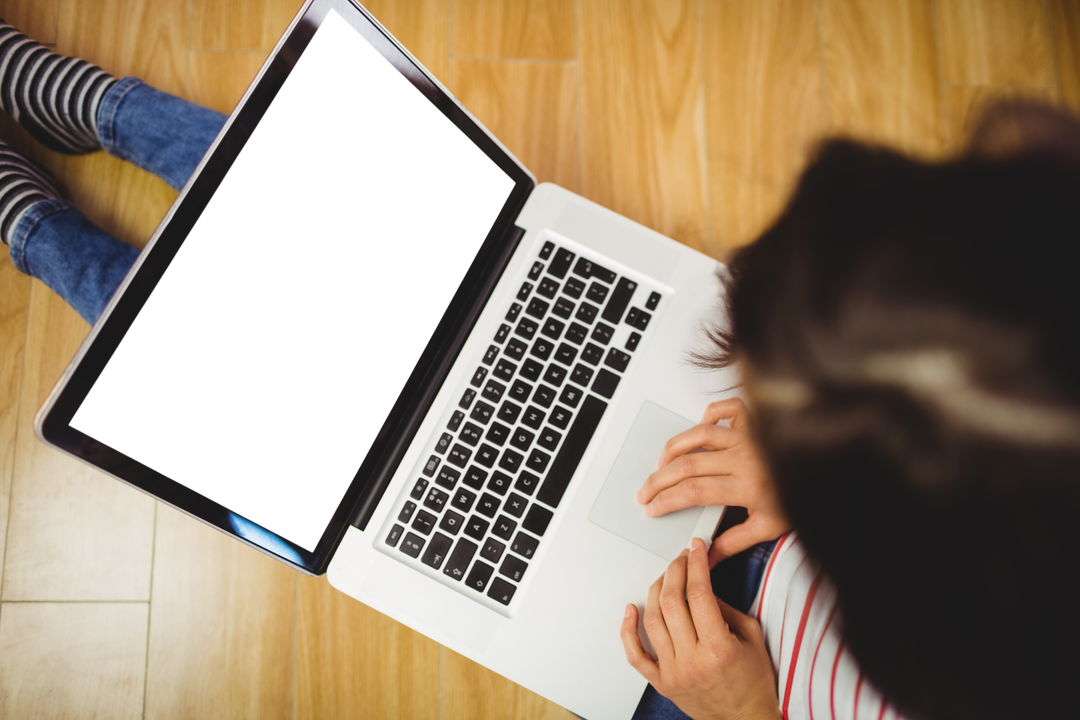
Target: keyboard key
(452, 522)
(561, 263)
(526, 482)
(537, 308)
(560, 417)
(602, 333)
(504, 370)
(488, 505)
(406, 512)
(521, 439)
(582, 374)
(412, 545)
(524, 545)
(491, 354)
(616, 359)
(463, 500)
(606, 382)
(513, 568)
(477, 527)
(510, 461)
(515, 505)
(549, 439)
(620, 298)
(587, 313)
(526, 328)
(504, 527)
(573, 448)
(537, 520)
(492, 551)
(555, 374)
(501, 591)
(394, 536)
(482, 412)
(653, 301)
(460, 559)
(424, 522)
(471, 434)
(566, 354)
(475, 477)
(545, 251)
(544, 395)
(523, 293)
(444, 442)
(632, 341)
(563, 308)
(459, 455)
(509, 412)
(574, 287)
(571, 394)
(419, 488)
(519, 391)
(503, 331)
(448, 477)
(515, 349)
(533, 417)
(436, 499)
(431, 465)
(597, 293)
(576, 333)
(436, 552)
(530, 369)
(547, 288)
(479, 576)
(455, 421)
(493, 391)
(542, 348)
(538, 461)
(466, 399)
(588, 269)
(537, 268)
(553, 328)
(513, 312)
(592, 354)
(497, 433)
(500, 482)
(640, 320)
(486, 455)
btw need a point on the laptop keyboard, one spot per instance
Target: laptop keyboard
(486, 493)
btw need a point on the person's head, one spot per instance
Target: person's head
(911, 339)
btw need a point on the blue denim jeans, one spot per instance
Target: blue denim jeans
(57, 244)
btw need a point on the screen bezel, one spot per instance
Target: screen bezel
(54, 421)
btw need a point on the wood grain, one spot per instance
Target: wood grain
(222, 626)
(964, 105)
(353, 662)
(539, 29)
(642, 114)
(995, 42)
(881, 73)
(218, 80)
(531, 108)
(14, 310)
(1065, 26)
(472, 691)
(765, 109)
(240, 24)
(35, 18)
(72, 660)
(422, 26)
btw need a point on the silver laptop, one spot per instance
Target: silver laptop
(364, 341)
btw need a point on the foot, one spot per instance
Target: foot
(22, 184)
(56, 98)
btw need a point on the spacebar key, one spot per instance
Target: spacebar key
(566, 462)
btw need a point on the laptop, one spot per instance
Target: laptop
(364, 341)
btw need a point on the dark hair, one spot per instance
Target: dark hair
(911, 333)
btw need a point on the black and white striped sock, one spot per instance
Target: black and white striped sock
(22, 183)
(56, 98)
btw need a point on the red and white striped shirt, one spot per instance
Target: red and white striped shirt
(817, 677)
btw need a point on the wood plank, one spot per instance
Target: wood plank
(14, 311)
(35, 18)
(531, 108)
(964, 105)
(218, 80)
(1065, 27)
(74, 533)
(353, 662)
(881, 73)
(240, 24)
(539, 29)
(995, 42)
(72, 660)
(764, 109)
(422, 26)
(222, 626)
(473, 691)
(642, 114)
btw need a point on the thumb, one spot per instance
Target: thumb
(740, 623)
(734, 540)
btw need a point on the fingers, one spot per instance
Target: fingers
(704, 465)
(708, 436)
(699, 595)
(697, 491)
(733, 410)
(635, 653)
(655, 625)
(745, 535)
(673, 604)
(744, 626)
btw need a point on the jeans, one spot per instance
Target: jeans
(57, 244)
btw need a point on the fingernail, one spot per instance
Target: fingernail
(684, 553)
(640, 496)
(660, 463)
(697, 544)
(629, 609)
(649, 510)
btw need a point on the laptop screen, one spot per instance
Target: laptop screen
(261, 369)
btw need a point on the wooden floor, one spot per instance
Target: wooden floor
(690, 116)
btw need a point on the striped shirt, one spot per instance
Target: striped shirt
(817, 678)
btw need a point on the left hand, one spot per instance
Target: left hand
(711, 658)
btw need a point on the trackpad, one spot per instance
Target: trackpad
(616, 509)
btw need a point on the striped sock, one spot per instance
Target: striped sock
(54, 97)
(22, 183)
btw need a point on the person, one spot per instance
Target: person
(74, 107)
(906, 333)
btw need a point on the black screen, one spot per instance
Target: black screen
(262, 366)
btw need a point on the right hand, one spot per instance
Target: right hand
(730, 472)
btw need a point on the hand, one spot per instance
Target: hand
(711, 658)
(732, 473)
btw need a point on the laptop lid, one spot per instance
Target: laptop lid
(268, 359)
